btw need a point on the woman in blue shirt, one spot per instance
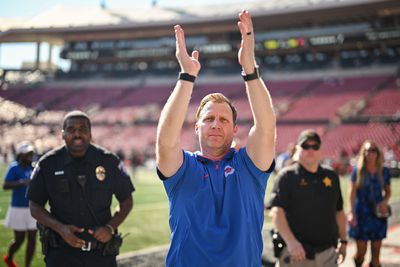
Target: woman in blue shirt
(18, 215)
(370, 188)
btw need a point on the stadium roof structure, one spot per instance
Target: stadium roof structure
(61, 23)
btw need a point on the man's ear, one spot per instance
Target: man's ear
(235, 129)
(63, 134)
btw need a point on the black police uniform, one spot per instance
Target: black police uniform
(310, 202)
(68, 184)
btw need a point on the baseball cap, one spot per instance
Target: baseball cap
(24, 148)
(308, 134)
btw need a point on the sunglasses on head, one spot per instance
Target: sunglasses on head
(306, 146)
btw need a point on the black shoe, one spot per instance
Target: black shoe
(358, 263)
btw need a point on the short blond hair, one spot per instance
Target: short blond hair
(216, 98)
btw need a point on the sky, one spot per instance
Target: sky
(12, 55)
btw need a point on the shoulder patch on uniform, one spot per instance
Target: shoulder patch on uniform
(121, 167)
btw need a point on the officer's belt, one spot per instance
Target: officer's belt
(322, 248)
(89, 245)
(312, 250)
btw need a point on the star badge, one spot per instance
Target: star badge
(327, 182)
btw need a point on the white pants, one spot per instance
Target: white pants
(19, 219)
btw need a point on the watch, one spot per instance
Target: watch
(343, 241)
(111, 228)
(186, 77)
(251, 76)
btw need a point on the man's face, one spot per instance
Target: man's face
(26, 158)
(215, 128)
(310, 152)
(77, 136)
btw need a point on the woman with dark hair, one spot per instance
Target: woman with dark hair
(18, 218)
(369, 195)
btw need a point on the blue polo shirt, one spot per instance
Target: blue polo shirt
(14, 173)
(216, 211)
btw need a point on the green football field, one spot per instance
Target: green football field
(146, 226)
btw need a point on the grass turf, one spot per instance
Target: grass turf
(147, 224)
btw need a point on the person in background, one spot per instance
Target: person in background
(307, 209)
(78, 180)
(216, 195)
(369, 190)
(18, 216)
(285, 158)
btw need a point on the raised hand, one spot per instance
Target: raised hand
(188, 64)
(246, 52)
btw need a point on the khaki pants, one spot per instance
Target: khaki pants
(326, 258)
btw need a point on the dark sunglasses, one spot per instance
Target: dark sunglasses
(371, 150)
(307, 147)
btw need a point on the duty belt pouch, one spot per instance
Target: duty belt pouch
(43, 237)
(112, 247)
(47, 238)
(278, 243)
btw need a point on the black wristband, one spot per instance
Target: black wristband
(251, 76)
(343, 241)
(186, 77)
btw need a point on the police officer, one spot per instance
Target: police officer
(307, 208)
(78, 181)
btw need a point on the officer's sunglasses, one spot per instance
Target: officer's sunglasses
(306, 146)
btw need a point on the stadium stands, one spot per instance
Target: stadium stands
(334, 68)
(384, 103)
(125, 118)
(349, 137)
(323, 101)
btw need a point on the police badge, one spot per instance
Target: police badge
(100, 173)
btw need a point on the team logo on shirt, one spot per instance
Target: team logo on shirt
(100, 173)
(327, 181)
(228, 171)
